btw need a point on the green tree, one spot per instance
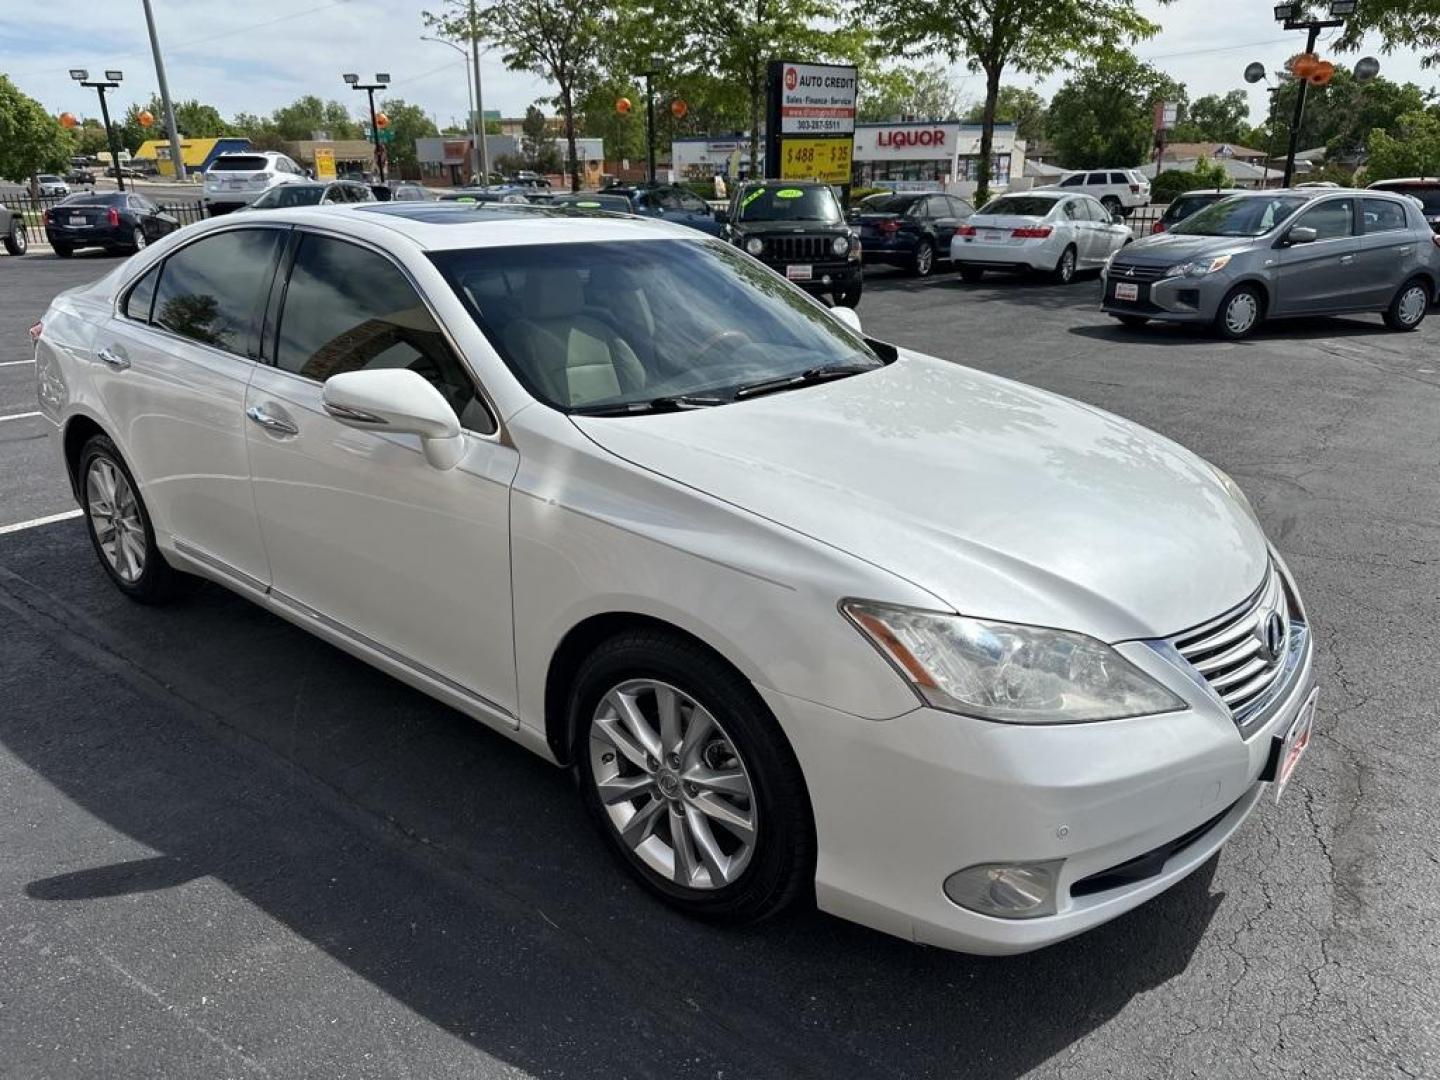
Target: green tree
(1018, 105)
(537, 144)
(1413, 149)
(1221, 118)
(555, 39)
(1341, 115)
(197, 120)
(1104, 114)
(624, 133)
(259, 130)
(31, 140)
(900, 93)
(307, 115)
(90, 138)
(408, 122)
(995, 36)
(1405, 25)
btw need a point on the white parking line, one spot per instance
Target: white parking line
(35, 523)
(15, 363)
(18, 416)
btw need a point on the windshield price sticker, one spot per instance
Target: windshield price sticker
(790, 193)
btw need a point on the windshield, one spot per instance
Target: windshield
(789, 203)
(588, 325)
(1429, 194)
(1241, 216)
(239, 163)
(1019, 206)
(289, 195)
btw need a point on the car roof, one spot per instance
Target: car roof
(444, 226)
(1408, 181)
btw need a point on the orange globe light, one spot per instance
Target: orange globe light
(678, 109)
(622, 106)
(67, 120)
(1301, 66)
(1322, 73)
(146, 118)
(382, 121)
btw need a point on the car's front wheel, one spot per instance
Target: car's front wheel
(15, 239)
(1240, 313)
(1408, 308)
(850, 296)
(137, 239)
(689, 778)
(922, 263)
(120, 528)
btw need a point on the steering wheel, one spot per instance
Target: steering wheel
(717, 338)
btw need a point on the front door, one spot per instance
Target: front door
(359, 528)
(1320, 275)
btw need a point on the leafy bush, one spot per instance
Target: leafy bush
(1172, 182)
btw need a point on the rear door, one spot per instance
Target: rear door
(1388, 251)
(1321, 275)
(1076, 221)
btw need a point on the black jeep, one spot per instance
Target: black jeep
(798, 229)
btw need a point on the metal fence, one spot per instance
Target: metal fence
(1142, 219)
(30, 211)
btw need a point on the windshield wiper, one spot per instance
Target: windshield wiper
(808, 377)
(673, 403)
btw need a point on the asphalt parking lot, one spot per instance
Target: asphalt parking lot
(231, 850)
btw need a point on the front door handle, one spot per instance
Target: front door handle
(1406, 251)
(1346, 259)
(113, 358)
(276, 425)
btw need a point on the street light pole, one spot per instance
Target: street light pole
(110, 82)
(476, 123)
(652, 68)
(1289, 14)
(176, 157)
(381, 81)
(474, 27)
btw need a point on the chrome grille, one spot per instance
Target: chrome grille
(1233, 655)
(790, 248)
(1135, 271)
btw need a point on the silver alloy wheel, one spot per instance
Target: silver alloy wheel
(1412, 305)
(139, 239)
(22, 241)
(1241, 313)
(672, 784)
(1067, 266)
(924, 259)
(115, 518)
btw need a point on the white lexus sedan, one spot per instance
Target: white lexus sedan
(981, 666)
(1054, 232)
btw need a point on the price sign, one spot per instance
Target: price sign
(816, 159)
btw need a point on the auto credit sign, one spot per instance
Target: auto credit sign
(817, 99)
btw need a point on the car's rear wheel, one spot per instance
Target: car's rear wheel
(16, 242)
(688, 777)
(1112, 205)
(1410, 305)
(137, 239)
(922, 263)
(972, 275)
(120, 528)
(1064, 271)
(1239, 313)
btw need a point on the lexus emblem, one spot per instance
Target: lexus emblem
(1272, 637)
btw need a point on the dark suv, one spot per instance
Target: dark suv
(798, 229)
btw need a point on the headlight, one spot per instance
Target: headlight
(840, 245)
(1200, 268)
(754, 245)
(1007, 672)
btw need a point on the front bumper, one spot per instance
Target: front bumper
(825, 277)
(1173, 299)
(901, 804)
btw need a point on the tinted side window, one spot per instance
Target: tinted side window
(1329, 220)
(212, 291)
(960, 208)
(1073, 181)
(137, 304)
(1119, 178)
(1097, 178)
(939, 206)
(347, 308)
(1382, 215)
(693, 203)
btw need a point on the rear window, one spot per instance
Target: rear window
(618, 204)
(887, 204)
(1019, 206)
(1429, 194)
(1186, 205)
(239, 163)
(290, 195)
(114, 198)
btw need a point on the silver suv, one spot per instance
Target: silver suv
(236, 180)
(1278, 254)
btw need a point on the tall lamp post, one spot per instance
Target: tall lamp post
(110, 82)
(652, 68)
(1291, 16)
(381, 81)
(476, 124)
(177, 159)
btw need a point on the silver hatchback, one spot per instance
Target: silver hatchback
(1281, 254)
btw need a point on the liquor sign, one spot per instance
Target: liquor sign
(810, 121)
(815, 159)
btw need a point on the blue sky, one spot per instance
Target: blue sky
(260, 54)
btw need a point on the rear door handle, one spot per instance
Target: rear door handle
(114, 358)
(276, 425)
(1407, 250)
(1344, 259)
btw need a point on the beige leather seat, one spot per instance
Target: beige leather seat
(574, 357)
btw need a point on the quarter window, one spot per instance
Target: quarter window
(137, 303)
(1073, 181)
(347, 309)
(1330, 220)
(1382, 215)
(211, 291)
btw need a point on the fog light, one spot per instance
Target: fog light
(825, 280)
(1006, 890)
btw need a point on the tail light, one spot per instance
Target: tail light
(1158, 227)
(890, 226)
(1436, 239)
(1134, 189)
(965, 230)
(44, 217)
(36, 331)
(112, 217)
(1037, 232)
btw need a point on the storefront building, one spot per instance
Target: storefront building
(942, 153)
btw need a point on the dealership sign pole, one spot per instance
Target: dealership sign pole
(810, 122)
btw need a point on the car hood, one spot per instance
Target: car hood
(1171, 247)
(1001, 500)
(769, 228)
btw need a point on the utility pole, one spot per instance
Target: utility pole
(477, 123)
(177, 157)
(110, 82)
(481, 145)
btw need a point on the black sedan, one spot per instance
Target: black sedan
(120, 221)
(909, 229)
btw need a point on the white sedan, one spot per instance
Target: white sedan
(1050, 231)
(981, 666)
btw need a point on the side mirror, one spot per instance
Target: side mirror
(847, 316)
(722, 216)
(1117, 218)
(1301, 234)
(400, 401)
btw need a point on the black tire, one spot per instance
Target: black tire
(1064, 271)
(1230, 324)
(158, 581)
(972, 275)
(850, 297)
(1132, 320)
(16, 242)
(1112, 205)
(137, 239)
(922, 263)
(781, 866)
(1409, 306)
(63, 251)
